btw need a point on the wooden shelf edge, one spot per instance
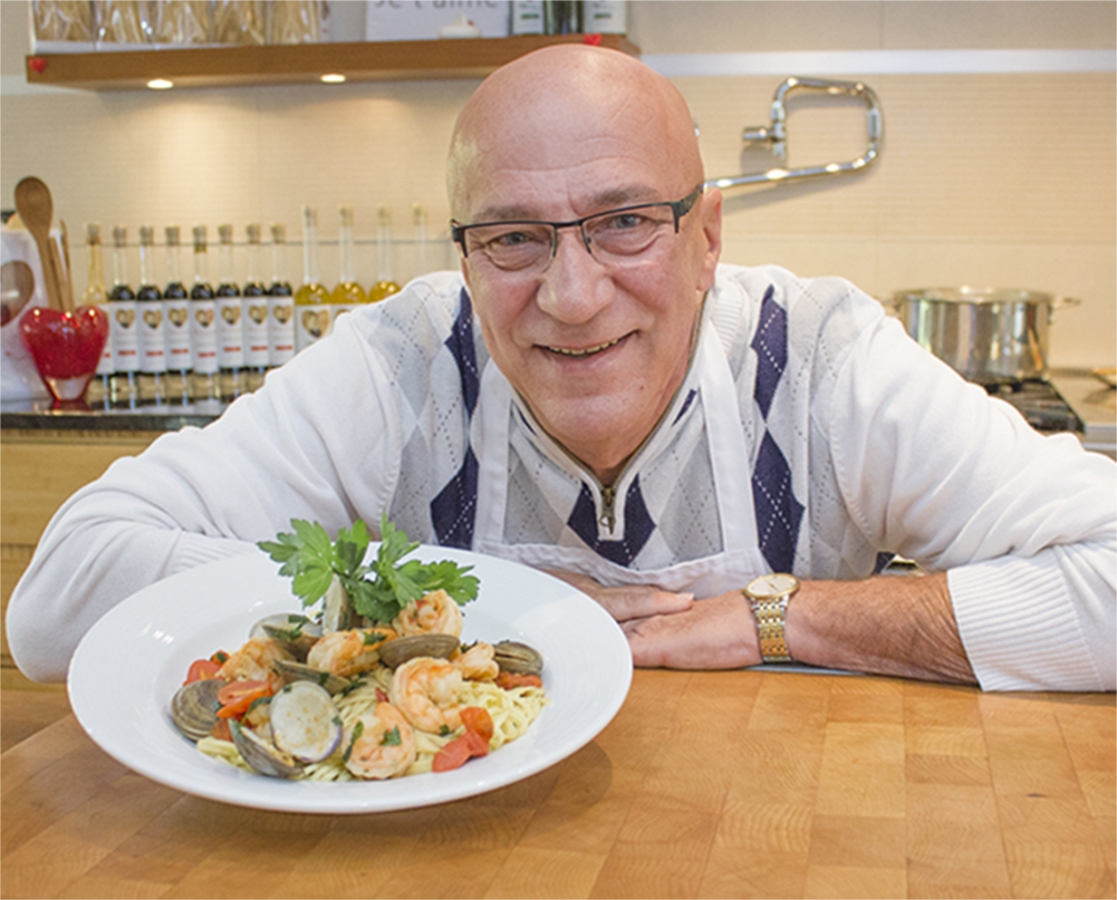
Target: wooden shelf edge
(296, 63)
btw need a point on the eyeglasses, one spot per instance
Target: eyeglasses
(613, 236)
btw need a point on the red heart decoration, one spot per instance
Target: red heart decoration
(37, 64)
(66, 347)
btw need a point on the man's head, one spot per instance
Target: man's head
(596, 344)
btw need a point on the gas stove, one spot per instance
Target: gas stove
(1039, 402)
(1068, 400)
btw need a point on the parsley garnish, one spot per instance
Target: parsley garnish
(391, 738)
(378, 591)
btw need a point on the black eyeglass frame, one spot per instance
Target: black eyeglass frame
(679, 208)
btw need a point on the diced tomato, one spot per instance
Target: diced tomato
(453, 755)
(509, 680)
(477, 720)
(202, 669)
(478, 746)
(237, 696)
(381, 697)
(221, 730)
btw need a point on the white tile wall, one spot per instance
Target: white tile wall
(999, 179)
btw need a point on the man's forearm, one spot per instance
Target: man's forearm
(888, 625)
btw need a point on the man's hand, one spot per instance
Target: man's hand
(634, 601)
(716, 633)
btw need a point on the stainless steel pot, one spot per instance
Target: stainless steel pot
(985, 334)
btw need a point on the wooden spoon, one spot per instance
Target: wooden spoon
(36, 209)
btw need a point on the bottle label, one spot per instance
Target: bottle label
(281, 330)
(230, 333)
(255, 317)
(203, 336)
(311, 324)
(125, 343)
(176, 334)
(105, 364)
(150, 324)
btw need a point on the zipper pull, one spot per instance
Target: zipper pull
(608, 502)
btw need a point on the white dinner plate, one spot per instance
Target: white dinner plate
(130, 664)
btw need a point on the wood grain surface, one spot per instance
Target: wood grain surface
(711, 784)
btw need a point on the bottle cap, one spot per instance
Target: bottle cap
(278, 233)
(346, 214)
(310, 216)
(253, 232)
(119, 235)
(199, 238)
(147, 235)
(172, 233)
(92, 232)
(384, 214)
(225, 234)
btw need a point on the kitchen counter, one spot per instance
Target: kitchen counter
(706, 784)
(37, 416)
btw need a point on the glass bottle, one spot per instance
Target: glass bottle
(281, 308)
(99, 393)
(386, 286)
(176, 325)
(348, 294)
(122, 326)
(228, 310)
(149, 323)
(254, 314)
(312, 312)
(203, 329)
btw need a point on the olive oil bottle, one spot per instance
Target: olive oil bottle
(254, 313)
(348, 294)
(312, 301)
(176, 325)
(122, 326)
(281, 303)
(386, 286)
(228, 310)
(203, 328)
(150, 324)
(99, 393)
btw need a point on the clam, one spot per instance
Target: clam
(518, 658)
(262, 755)
(305, 723)
(193, 708)
(294, 631)
(294, 671)
(396, 652)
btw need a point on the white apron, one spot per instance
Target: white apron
(738, 563)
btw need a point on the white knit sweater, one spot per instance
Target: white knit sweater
(886, 448)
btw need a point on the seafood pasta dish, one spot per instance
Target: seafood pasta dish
(361, 688)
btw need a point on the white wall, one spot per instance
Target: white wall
(999, 177)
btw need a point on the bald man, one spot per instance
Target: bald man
(718, 455)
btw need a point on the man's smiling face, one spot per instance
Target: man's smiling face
(596, 349)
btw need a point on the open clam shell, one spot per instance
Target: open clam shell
(293, 671)
(193, 708)
(296, 632)
(261, 755)
(395, 653)
(518, 658)
(305, 723)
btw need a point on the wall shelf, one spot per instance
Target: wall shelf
(295, 63)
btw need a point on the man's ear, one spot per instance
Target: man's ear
(709, 210)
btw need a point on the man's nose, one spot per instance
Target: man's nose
(575, 286)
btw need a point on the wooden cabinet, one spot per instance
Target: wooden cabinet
(296, 63)
(39, 470)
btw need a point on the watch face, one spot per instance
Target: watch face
(774, 585)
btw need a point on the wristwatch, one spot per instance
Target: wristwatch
(768, 596)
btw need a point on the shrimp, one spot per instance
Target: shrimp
(426, 691)
(346, 653)
(477, 663)
(433, 613)
(381, 744)
(253, 662)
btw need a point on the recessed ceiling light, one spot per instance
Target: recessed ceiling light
(333, 78)
(160, 84)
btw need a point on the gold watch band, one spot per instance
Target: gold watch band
(770, 615)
